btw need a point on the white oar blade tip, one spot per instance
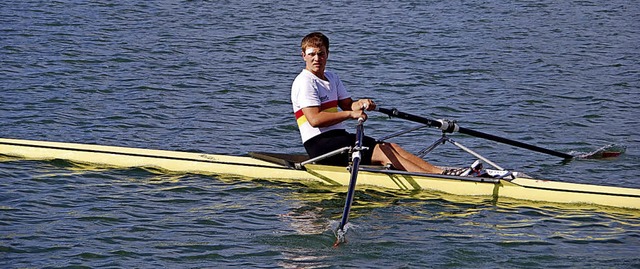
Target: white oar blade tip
(607, 152)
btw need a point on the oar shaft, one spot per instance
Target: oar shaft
(453, 127)
(514, 143)
(355, 166)
(350, 193)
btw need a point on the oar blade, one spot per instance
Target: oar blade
(606, 152)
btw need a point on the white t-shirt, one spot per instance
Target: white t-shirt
(309, 90)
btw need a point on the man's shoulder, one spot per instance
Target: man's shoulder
(303, 83)
(303, 75)
(330, 75)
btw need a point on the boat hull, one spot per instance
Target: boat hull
(518, 188)
(188, 162)
(175, 161)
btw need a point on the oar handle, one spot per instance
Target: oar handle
(444, 125)
(398, 114)
(453, 127)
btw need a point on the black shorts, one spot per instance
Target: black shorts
(335, 139)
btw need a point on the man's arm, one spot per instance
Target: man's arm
(350, 110)
(318, 118)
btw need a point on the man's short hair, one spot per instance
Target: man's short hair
(315, 39)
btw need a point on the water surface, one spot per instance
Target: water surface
(214, 76)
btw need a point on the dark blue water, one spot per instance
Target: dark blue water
(214, 76)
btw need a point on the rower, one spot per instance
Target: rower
(321, 104)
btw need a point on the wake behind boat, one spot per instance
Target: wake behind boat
(496, 184)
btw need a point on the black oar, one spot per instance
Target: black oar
(355, 166)
(451, 127)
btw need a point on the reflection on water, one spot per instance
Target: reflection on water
(481, 220)
(140, 212)
(520, 228)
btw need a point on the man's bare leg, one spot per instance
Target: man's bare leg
(401, 159)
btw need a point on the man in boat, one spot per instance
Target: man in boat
(317, 94)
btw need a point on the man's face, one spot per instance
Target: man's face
(316, 59)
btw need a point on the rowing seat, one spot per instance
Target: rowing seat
(287, 160)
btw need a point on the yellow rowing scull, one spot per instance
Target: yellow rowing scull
(282, 167)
